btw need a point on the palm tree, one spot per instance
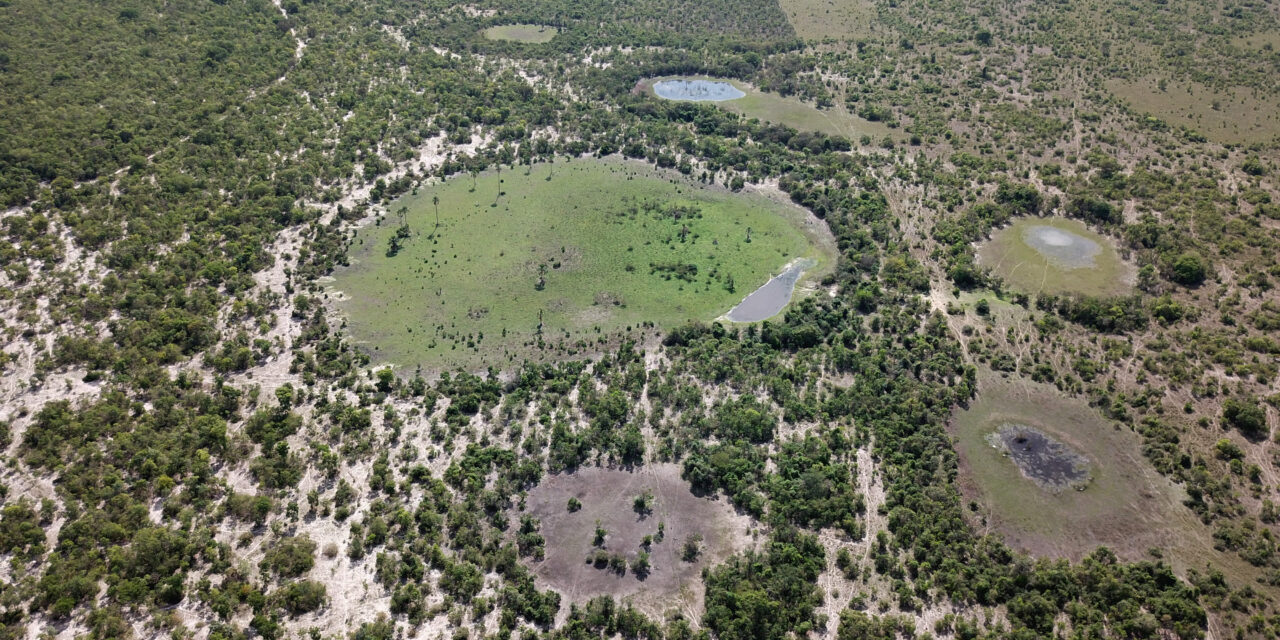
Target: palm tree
(499, 194)
(435, 202)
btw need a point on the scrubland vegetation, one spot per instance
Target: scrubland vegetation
(195, 446)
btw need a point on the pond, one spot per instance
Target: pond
(1065, 249)
(697, 90)
(772, 297)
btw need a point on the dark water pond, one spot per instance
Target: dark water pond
(696, 90)
(1047, 462)
(772, 297)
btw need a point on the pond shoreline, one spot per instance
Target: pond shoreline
(773, 296)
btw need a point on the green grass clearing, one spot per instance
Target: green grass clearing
(528, 33)
(1025, 268)
(593, 251)
(792, 112)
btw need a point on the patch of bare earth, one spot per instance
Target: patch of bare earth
(607, 497)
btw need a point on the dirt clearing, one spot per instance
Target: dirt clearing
(608, 502)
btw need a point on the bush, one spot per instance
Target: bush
(290, 557)
(1228, 450)
(1245, 415)
(20, 530)
(640, 565)
(1188, 269)
(303, 596)
(692, 548)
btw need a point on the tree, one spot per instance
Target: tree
(1024, 199)
(1253, 166)
(386, 380)
(1189, 269)
(435, 203)
(640, 565)
(1245, 415)
(766, 595)
(303, 596)
(1093, 209)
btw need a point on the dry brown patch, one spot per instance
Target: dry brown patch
(607, 497)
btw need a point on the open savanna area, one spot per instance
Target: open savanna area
(552, 258)
(838, 20)
(1232, 115)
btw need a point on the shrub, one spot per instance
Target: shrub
(692, 548)
(1245, 415)
(1228, 450)
(290, 557)
(1188, 269)
(303, 596)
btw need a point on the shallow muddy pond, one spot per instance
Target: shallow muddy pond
(1065, 249)
(697, 90)
(772, 297)
(1050, 464)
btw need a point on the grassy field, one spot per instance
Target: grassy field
(771, 107)
(1258, 43)
(1025, 269)
(1127, 506)
(531, 33)
(1228, 117)
(837, 20)
(593, 251)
